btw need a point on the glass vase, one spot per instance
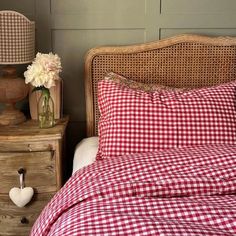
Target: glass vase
(46, 110)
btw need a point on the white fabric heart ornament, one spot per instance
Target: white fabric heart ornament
(21, 196)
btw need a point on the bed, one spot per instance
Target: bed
(165, 163)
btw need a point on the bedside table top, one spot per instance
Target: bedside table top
(30, 130)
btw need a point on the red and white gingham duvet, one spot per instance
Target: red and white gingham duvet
(186, 191)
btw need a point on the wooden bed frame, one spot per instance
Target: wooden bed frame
(181, 61)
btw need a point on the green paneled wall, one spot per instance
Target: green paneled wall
(198, 7)
(71, 27)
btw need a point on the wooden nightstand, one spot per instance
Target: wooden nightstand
(39, 153)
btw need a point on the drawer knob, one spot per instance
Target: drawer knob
(24, 220)
(21, 171)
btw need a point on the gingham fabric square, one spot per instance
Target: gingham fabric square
(188, 191)
(134, 121)
(17, 38)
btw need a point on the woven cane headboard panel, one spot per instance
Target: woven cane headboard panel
(181, 61)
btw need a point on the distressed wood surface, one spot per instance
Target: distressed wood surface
(29, 131)
(28, 146)
(12, 217)
(39, 152)
(39, 171)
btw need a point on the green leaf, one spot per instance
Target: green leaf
(45, 91)
(37, 88)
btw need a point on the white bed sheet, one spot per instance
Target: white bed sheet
(85, 153)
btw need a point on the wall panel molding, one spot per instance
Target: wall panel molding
(169, 32)
(198, 7)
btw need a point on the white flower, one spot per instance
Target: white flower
(44, 70)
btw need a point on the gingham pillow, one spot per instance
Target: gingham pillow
(134, 120)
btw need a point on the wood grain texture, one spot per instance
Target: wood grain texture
(11, 216)
(27, 146)
(39, 171)
(40, 153)
(29, 131)
(182, 61)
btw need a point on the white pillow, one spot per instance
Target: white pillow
(85, 153)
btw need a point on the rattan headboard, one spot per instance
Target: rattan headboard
(181, 61)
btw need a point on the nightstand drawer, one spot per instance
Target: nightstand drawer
(25, 146)
(18, 221)
(39, 171)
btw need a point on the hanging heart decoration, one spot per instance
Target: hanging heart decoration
(23, 195)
